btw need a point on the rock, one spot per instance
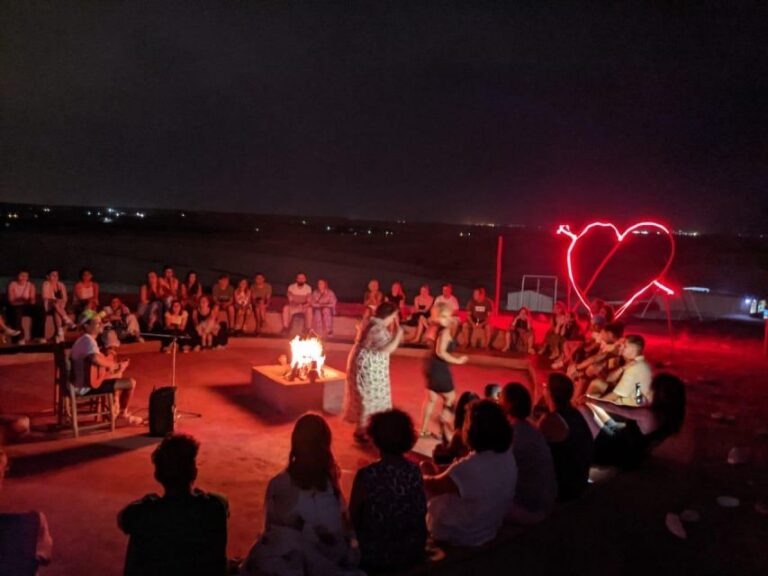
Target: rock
(690, 516)
(728, 501)
(675, 526)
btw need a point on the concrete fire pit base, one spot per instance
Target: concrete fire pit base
(326, 394)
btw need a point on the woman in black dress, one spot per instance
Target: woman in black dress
(439, 378)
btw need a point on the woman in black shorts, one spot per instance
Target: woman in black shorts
(438, 371)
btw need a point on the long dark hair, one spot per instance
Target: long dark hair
(461, 408)
(194, 287)
(311, 464)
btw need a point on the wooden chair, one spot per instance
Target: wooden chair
(71, 406)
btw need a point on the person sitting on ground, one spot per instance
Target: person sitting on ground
(536, 488)
(606, 359)
(323, 302)
(175, 326)
(519, 337)
(170, 286)
(22, 301)
(307, 528)
(119, 318)
(191, 290)
(479, 311)
(397, 297)
(151, 298)
(468, 501)
(451, 303)
(85, 353)
(569, 438)
(261, 293)
(54, 295)
(85, 291)
(387, 505)
(445, 453)
(625, 435)
(15, 564)
(223, 296)
(372, 298)
(298, 304)
(630, 384)
(422, 306)
(206, 323)
(243, 305)
(184, 531)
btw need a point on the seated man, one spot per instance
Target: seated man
(85, 352)
(446, 298)
(629, 385)
(479, 311)
(170, 286)
(299, 294)
(223, 294)
(22, 301)
(606, 358)
(185, 530)
(119, 317)
(323, 303)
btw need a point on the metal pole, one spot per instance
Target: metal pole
(499, 249)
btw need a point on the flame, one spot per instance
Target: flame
(306, 351)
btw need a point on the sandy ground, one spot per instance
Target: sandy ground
(618, 527)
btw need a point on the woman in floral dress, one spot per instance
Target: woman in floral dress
(368, 388)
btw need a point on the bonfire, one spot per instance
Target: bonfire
(307, 359)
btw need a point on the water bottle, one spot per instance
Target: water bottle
(639, 398)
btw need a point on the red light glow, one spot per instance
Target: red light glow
(640, 227)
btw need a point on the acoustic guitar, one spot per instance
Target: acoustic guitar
(96, 375)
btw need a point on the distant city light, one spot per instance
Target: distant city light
(107, 220)
(700, 289)
(46, 209)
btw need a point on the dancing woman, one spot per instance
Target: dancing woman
(439, 378)
(368, 387)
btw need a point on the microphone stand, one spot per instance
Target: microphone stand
(178, 414)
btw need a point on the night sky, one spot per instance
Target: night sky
(516, 112)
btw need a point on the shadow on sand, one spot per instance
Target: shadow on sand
(56, 460)
(242, 395)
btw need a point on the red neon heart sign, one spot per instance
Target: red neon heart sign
(620, 237)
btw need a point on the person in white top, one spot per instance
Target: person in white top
(85, 353)
(536, 489)
(468, 501)
(55, 302)
(299, 302)
(85, 292)
(631, 384)
(323, 302)
(22, 301)
(450, 301)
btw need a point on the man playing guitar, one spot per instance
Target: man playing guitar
(93, 371)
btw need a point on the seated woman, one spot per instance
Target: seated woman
(151, 302)
(372, 299)
(306, 530)
(243, 305)
(624, 435)
(175, 325)
(519, 337)
(397, 297)
(191, 290)
(388, 506)
(422, 305)
(445, 453)
(562, 327)
(468, 501)
(55, 304)
(569, 438)
(85, 291)
(206, 322)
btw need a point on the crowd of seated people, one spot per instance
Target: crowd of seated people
(506, 463)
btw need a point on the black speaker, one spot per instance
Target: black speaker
(162, 408)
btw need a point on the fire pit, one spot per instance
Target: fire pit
(306, 383)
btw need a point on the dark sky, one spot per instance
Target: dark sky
(516, 112)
